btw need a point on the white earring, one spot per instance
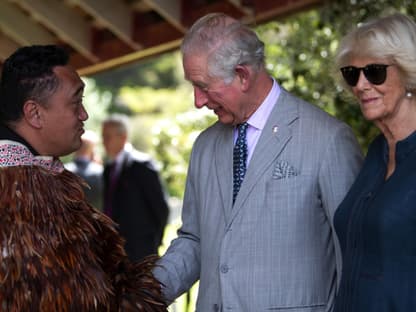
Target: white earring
(409, 94)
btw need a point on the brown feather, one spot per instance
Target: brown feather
(57, 253)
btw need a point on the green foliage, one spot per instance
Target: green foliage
(343, 15)
(165, 101)
(157, 72)
(172, 143)
(299, 54)
(300, 51)
(96, 103)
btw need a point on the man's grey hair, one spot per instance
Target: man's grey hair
(226, 42)
(118, 120)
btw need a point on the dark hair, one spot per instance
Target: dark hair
(28, 74)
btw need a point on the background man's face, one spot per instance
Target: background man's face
(113, 140)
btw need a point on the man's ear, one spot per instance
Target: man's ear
(32, 113)
(243, 75)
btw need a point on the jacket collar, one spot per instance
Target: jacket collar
(8, 134)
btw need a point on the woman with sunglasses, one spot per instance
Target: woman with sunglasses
(376, 222)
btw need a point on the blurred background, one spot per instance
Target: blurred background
(127, 54)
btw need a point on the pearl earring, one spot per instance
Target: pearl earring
(409, 94)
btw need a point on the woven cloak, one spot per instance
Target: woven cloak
(58, 253)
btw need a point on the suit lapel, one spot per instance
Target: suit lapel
(273, 139)
(224, 167)
(125, 163)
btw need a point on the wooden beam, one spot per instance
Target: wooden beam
(170, 10)
(266, 10)
(151, 29)
(129, 58)
(114, 15)
(193, 12)
(7, 47)
(21, 28)
(238, 5)
(107, 45)
(64, 22)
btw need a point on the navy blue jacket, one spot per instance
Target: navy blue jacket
(376, 226)
(139, 204)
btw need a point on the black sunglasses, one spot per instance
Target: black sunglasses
(375, 73)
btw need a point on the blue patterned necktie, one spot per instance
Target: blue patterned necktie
(239, 159)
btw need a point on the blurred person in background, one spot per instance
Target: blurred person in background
(134, 196)
(86, 164)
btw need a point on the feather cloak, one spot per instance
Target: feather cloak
(58, 253)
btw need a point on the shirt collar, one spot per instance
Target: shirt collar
(14, 154)
(118, 160)
(404, 148)
(260, 116)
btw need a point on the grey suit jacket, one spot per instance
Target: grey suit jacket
(275, 249)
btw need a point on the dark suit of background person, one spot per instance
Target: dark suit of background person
(136, 199)
(85, 165)
(376, 221)
(274, 247)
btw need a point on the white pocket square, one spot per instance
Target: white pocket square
(283, 169)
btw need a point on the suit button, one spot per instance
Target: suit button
(224, 268)
(216, 307)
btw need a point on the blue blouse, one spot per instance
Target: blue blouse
(376, 226)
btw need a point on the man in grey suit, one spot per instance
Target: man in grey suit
(274, 247)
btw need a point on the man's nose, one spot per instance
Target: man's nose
(200, 98)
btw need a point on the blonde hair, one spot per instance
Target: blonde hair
(392, 37)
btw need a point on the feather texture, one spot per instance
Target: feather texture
(58, 253)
